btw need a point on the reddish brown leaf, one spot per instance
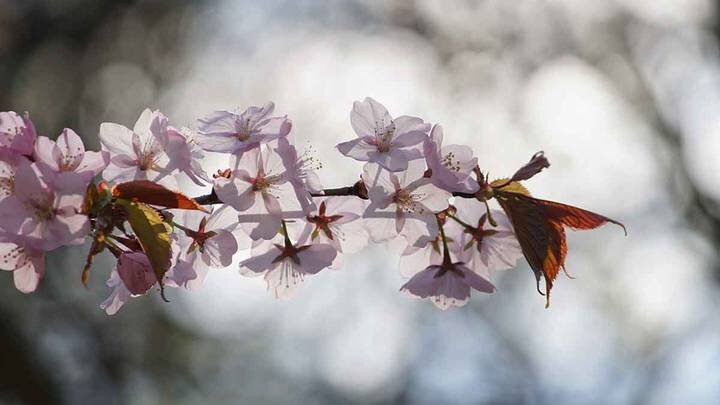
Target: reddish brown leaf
(154, 194)
(91, 197)
(539, 228)
(98, 245)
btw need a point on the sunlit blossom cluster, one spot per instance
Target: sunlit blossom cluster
(426, 198)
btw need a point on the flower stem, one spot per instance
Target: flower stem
(446, 250)
(459, 221)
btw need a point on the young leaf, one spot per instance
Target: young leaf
(96, 198)
(154, 194)
(153, 234)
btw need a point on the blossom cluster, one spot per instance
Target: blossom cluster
(427, 199)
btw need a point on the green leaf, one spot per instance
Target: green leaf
(96, 198)
(153, 233)
(511, 187)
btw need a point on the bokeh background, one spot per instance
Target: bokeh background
(622, 95)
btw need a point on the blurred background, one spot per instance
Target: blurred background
(622, 95)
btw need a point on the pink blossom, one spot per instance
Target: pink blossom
(47, 216)
(285, 264)
(483, 247)
(26, 262)
(204, 242)
(68, 155)
(132, 276)
(447, 284)
(140, 153)
(336, 222)
(450, 165)
(402, 203)
(136, 272)
(17, 133)
(185, 155)
(232, 132)
(258, 185)
(389, 142)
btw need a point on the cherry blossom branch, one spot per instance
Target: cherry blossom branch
(356, 190)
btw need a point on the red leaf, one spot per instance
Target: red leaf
(154, 194)
(539, 228)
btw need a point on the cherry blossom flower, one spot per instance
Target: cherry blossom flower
(185, 155)
(338, 223)
(232, 132)
(25, 261)
(447, 284)
(140, 153)
(483, 247)
(285, 264)
(450, 165)
(49, 217)
(68, 154)
(132, 276)
(258, 185)
(389, 142)
(136, 272)
(402, 203)
(17, 133)
(205, 242)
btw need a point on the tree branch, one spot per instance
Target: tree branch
(356, 190)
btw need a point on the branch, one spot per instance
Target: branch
(356, 190)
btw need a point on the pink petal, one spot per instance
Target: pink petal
(136, 273)
(432, 197)
(358, 149)
(284, 280)
(218, 250)
(236, 192)
(94, 162)
(116, 138)
(181, 273)
(423, 284)
(394, 160)
(119, 296)
(367, 116)
(260, 263)
(380, 223)
(28, 277)
(409, 131)
(476, 281)
(452, 291)
(47, 153)
(273, 128)
(316, 257)
(223, 217)
(72, 147)
(271, 204)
